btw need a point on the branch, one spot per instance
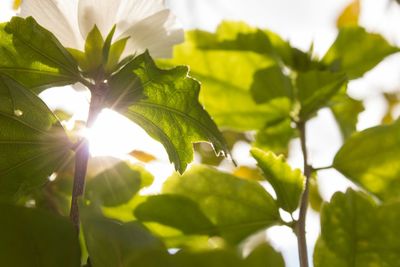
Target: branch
(301, 224)
(98, 92)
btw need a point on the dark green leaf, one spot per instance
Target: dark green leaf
(32, 238)
(175, 211)
(33, 56)
(271, 83)
(212, 258)
(356, 51)
(236, 206)
(264, 256)
(117, 185)
(287, 183)
(357, 232)
(111, 243)
(169, 110)
(370, 159)
(315, 88)
(33, 143)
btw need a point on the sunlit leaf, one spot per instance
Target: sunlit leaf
(169, 110)
(117, 185)
(370, 159)
(355, 231)
(287, 183)
(356, 51)
(31, 238)
(226, 91)
(175, 211)
(33, 56)
(32, 141)
(236, 206)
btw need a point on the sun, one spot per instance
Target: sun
(111, 135)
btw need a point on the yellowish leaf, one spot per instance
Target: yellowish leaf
(350, 15)
(142, 156)
(248, 173)
(17, 4)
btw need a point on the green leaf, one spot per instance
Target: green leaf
(226, 91)
(315, 88)
(358, 232)
(169, 110)
(356, 51)
(264, 255)
(271, 83)
(164, 209)
(32, 237)
(33, 56)
(236, 206)
(32, 141)
(370, 159)
(346, 111)
(287, 183)
(117, 185)
(111, 243)
(212, 258)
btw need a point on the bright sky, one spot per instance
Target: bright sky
(300, 21)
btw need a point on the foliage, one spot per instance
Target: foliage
(264, 98)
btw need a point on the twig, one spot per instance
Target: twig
(301, 223)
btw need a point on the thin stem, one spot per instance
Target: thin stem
(322, 168)
(301, 223)
(82, 151)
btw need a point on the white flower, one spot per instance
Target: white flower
(148, 23)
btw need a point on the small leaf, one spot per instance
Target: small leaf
(32, 141)
(271, 83)
(350, 15)
(315, 88)
(237, 207)
(346, 111)
(264, 256)
(169, 110)
(117, 185)
(370, 159)
(33, 56)
(287, 183)
(355, 231)
(164, 209)
(32, 237)
(347, 55)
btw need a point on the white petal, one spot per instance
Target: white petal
(101, 13)
(58, 16)
(157, 33)
(133, 11)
